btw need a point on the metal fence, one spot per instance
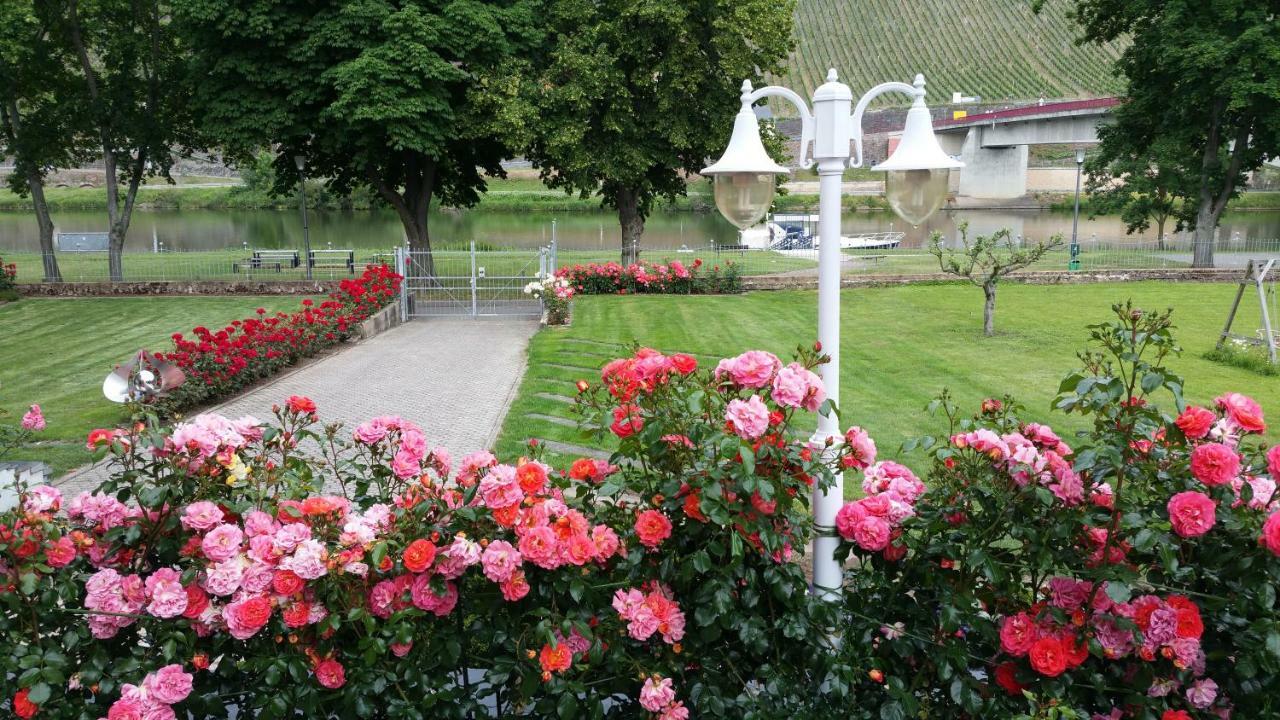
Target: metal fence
(502, 268)
(471, 283)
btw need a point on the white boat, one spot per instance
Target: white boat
(795, 232)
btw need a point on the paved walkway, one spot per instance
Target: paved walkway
(453, 377)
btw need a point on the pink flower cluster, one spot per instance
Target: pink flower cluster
(410, 446)
(154, 699)
(650, 611)
(659, 696)
(211, 436)
(1036, 454)
(873, 521)
(33, 419)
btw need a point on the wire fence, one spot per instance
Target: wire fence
(235, 265)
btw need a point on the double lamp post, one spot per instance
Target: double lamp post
(916, 184)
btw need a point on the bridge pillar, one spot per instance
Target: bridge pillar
(992, 172)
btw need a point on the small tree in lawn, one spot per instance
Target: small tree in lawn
(987, 259)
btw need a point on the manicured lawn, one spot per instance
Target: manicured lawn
(901, 346)
(57, 352)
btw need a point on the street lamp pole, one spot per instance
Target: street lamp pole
(301, 162)
(1075, 218)
(916, 185)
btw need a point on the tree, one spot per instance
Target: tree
(632, 97)
(371, 93)
(42, 111)
(1201, 77)
(1142, 189)
(985, 261)
(130, 64)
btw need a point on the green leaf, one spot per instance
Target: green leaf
(40, 693)
(1273, 643)
(892, 711)
(1118, 591)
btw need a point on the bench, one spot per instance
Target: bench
(279, 257)
(333, 259)
(254, 264)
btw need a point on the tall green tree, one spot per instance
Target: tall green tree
(42, 109)
(1202, 77)
(130, 65)
(1153, 187)
(372, 93)
(632, 97)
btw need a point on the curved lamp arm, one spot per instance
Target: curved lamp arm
(750, 97)
(915, 91)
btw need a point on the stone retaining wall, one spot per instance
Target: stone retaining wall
(1038, 277)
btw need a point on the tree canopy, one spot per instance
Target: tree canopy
(372, 93)
(1203, 94)
(630, 97)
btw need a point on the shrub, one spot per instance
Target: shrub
(8, 281)
(555, 294)
(673, 277)
(220, 363)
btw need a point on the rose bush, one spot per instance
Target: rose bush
(1127, 573)
(219, 363)
(223, 565)
(674, 277)
(555, 293)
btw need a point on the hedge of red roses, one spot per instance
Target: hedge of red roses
(673, 277)
(219, 363)
(8, 275)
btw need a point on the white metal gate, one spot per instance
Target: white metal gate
(471, 283)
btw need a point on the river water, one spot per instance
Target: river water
(185, 230)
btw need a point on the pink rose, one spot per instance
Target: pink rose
(370, 432)
(201, 515)
(652, 527)
(42, 498)
(861, 447)
(751, 369)
(1243, 411)
(1273, 463)
(168, 685)
(656, 694)
(168, 597)
(331, 674)
(515, 588)
(33, 419)
(1191, 513)
(1017, 633)
(749, 419)
(130, 708)
(872, 533)
(797, 386)
(1215, 464)
(538, 545)
(500, 561)
(1271, 533)
(848, 517)
(222, 542)
(246, 617)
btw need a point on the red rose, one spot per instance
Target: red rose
(22, 707)
(555, 658)
(652, 527)
(626, 421)
(1175, 715)
(1215, 464)
(532, 477)
(301, 404)
(419, 555)
(197, 602)
(331, 674)
(1195, 422)
(200, 661)
(1243, 411)
(1017, 634)
(684, 364)
(287, 582)
(61, 552)
(1271, 533)
(583, 469)
(297, 614)
(1048, 657)
(1007, 678)
(1192, 514)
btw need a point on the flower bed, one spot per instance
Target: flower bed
(8, 281)
(674, 277)
(1128, 573)
(219, 363)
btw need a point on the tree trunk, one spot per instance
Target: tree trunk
(36, 185)
(989, 309)
(411, 207)
(632, 222)
(1202, 244)
(1160, 232)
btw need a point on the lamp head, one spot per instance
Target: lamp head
(744, 176)
(300, 161)
(918, 171)
(1079, 156)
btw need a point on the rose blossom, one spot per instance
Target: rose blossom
(1202, 693)
(751, 369)
(797, 386)
(515, 588)
(331, 674)
(222, 542)
(33, 419)
(652, 527)
(1273, 463)
(872, 533)
(539, 546)
(749, 418)
(1195, 422)
(861, 447)
(246, 617)
(42, 498)
(168, 685)
(1270, 538)
(201, 515)
(1017, 633)
(657, 693)
(308, 560)
(1214, 464)
(500, 561)
(1243, 411)
(1191, 513)
(168, 597)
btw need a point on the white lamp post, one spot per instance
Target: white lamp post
(916, 185)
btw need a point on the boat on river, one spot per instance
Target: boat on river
(794, 231)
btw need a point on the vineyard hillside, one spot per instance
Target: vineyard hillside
(995, 49)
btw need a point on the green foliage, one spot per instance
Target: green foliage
(629, 98)
(1248, 357)
(1202, 100)
(374, 95)
(1142, 188)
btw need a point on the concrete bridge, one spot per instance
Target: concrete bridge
(993, 145)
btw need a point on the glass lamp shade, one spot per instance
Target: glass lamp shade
(744, 198)
(916, 194)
